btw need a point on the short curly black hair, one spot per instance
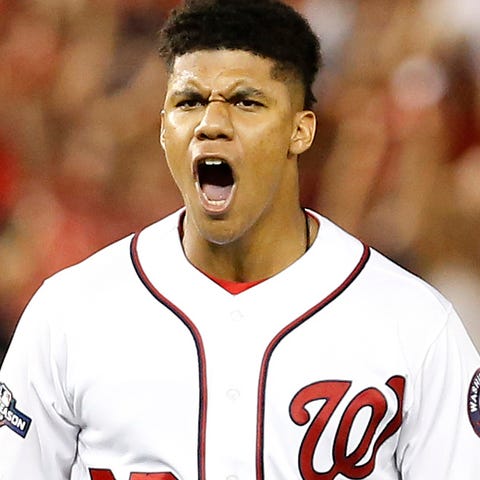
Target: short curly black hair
(268, 28)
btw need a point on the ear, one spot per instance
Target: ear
(305, 125)
(162, 129)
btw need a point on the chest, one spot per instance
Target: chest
(246, 388)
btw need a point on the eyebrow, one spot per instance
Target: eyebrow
(188, 93)
(237, 93)
(246, 92)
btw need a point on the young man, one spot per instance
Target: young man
(242, 337)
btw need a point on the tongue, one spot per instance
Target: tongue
(216, 193)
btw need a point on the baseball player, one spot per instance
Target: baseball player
(241, 337)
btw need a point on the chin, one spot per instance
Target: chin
(220, 238)
(222, 229)
(218, 232)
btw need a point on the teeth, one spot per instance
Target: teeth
(216, 203)
(213, 161)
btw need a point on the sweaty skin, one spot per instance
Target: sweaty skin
(226, 106)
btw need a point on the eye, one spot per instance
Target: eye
(190, 104)
(248, 104)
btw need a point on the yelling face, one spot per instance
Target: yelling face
(231, 132)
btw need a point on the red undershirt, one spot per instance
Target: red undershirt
(234, 287)
(229, 285)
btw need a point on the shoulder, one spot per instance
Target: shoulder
(105, 280)
(111, 263)
(420, 316)
(380, 277)
(392, 281)
(386, 295)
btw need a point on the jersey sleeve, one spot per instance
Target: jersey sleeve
(37, 428)
(439, 438)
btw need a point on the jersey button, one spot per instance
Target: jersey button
(236, 316)
(233, 395)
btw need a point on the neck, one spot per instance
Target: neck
(268, 248)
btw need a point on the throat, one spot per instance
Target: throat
(249, 259)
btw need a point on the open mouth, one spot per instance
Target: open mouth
(216, 182)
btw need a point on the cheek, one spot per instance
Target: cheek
(265, 172)
(275, 136)
(268, 149)
(177, 130)
(176, 163)
(175, 142)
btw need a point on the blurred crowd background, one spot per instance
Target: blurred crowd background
(396, 160)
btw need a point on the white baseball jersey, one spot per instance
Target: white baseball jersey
(134, 365)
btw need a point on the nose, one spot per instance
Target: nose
(216, 123)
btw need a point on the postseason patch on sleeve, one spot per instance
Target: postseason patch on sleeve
(474, 402)
(10, 416)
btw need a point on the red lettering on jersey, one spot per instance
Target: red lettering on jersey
(103, 474)
(344, 463)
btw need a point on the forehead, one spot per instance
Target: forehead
(219, 69)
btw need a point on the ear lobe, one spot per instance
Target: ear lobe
(162, 129)
(304, 132)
